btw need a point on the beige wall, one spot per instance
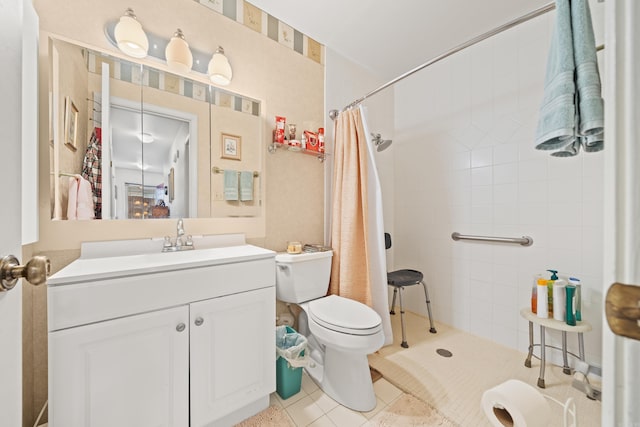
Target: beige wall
(287, 84)
(231, 122)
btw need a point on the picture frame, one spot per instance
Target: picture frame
(70, 124)
(231, 147)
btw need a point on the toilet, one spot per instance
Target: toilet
(341, 332)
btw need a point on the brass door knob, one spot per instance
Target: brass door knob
(622, 308)
(35, 271)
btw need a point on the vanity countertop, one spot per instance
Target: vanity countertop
(90, 269)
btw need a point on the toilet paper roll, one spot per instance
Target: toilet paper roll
(517, 404)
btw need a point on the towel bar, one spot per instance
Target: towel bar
(524, 240)
(216, 169)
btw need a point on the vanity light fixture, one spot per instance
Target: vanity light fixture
(219, 69)
(130, 37)
(178, 54)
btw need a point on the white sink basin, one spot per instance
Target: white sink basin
(83, 270)
(95, 289)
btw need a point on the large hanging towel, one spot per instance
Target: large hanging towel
(572, 112)
(92, 169)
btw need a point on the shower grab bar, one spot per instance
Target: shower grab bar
(524, 240)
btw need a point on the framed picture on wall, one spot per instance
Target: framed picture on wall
(70, 124)
(231, 146)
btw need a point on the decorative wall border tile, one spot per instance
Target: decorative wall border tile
(126, 71)
(260, 21)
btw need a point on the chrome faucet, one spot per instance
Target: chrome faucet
(180, 231)
(179, 244)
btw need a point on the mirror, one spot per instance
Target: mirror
(128, 141)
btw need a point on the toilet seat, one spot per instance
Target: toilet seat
(344, 315)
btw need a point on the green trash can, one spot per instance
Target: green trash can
(290, 347)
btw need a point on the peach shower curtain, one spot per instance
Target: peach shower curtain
(349, 219)
(357, 233)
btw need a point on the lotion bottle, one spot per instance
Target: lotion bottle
(571, 295)
(543, 299)
(553, 278)
(534, 294)
(559, 296)
(578, 305)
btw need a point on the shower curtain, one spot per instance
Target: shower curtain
(357, 234)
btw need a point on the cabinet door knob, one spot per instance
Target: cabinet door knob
(199, 321)
(181, 327)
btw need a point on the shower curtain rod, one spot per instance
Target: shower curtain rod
(540, 11)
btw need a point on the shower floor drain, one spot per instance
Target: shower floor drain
(444, 353)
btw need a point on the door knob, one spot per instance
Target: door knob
(622, 308)
(35, 271)
(199, 321)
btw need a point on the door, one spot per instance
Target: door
(18, 22)
(127, 372)
(232, 353)
(621, 353)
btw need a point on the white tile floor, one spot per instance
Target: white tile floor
(311, 407)
(453, 386)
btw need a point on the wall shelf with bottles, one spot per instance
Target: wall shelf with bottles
(295, 146)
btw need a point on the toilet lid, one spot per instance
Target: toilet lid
(345, 315)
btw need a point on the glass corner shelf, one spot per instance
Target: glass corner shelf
(275, 146)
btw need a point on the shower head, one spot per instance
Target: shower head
(381, 144)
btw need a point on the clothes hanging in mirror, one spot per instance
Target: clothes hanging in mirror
(92, 169)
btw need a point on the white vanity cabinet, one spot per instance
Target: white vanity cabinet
(232, 353)
(122, 372)
(162, 340)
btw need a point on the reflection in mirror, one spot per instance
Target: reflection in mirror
(165, 145)
(236, 156)
(161, 135)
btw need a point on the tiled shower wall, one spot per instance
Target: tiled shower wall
(464, 161)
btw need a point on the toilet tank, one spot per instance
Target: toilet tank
(302, 277)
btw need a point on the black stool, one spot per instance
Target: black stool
(399, 279)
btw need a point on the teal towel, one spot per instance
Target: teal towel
(246, 186)
(557, 116)
(572, 112)
(230, 184)
(591, 107)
